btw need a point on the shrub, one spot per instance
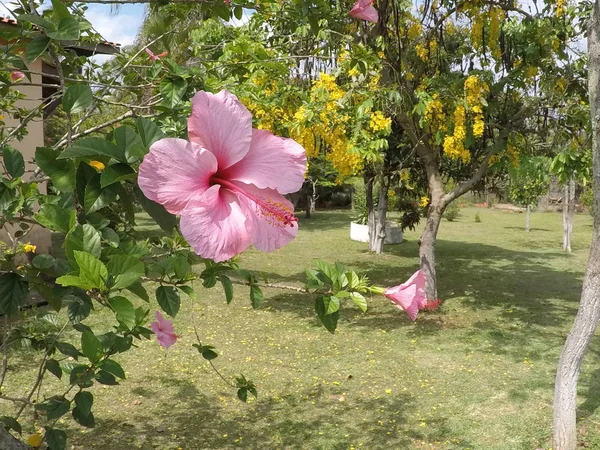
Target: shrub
(587, 199)
(452, 212)
(477, 218)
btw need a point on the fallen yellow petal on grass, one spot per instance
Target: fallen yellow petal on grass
(35, 440)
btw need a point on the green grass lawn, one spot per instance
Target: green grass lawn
(476, 374)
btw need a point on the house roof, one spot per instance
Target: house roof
(82, 48)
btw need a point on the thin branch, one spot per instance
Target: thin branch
(16, 400)
(4, 351)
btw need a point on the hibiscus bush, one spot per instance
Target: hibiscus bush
(187, 157)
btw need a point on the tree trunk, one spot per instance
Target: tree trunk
(311, 199)
(528, 218)
(427, 250)
(568, 210)
(382, 207)
(8, 442)
(586, 321)
(369, 178)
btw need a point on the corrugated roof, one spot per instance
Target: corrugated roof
(10, 21)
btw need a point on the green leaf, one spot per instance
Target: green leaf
(43, 262)
(111, 366)
(130, 143)
(83, 238)
(91, 147)
(209, 281)
(56, 439)
(359, 300)
(96, 197)
(124, 311)
(78, 307)
(74, 280)
(61, 172)
(60, 9)
(148, 131)
(209, 354)
(163, 218)
(242, 394)
(36, 20)
(189, 291)
(107, 378)
(54, 217)
(13, 161)
(67, 349)
(227, 287)
(68, 30)
(81, 375)
(116, 173)
(126, 270)
(238, 13)
(332, 304)
(256, 296)
(77, 98)
(90, 346)
(35, 48)
(87, 421)
(111, 237)
(53, 367)
(84, 401)
(13, 292)
(329, 321)
(10, 423)
(172, 90)
(54, 407)
(168, 299)
(91, 269)
(139, 290)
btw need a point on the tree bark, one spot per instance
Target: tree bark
(588, 316)
(427, 250)
(8, 442)
(369, 177)
(568, 210)
(311, 199)
(382, 207)
(528, 218)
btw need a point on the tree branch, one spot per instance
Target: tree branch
(465, 187)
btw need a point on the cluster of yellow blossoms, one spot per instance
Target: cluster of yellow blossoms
(329, 129)
(424, 50)
(494, 17)
(454, 146)
(560, 7)
(475, 90)
(434, 114)
(379, 122)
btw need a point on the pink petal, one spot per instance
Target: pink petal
(215, 225)
(273, 221)
(16, 75)
(417, 278)
(221, 124)
(272, 162)
(165, 325)
(405, 299)
(166, 340)
(368, 13)
(174, 172)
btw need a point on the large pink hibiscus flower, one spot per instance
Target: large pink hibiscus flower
(228, 181)
(364, 10)
(410, 295)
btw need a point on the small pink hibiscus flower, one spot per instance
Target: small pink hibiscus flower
(410, 296)
(16, 76)
(163, 328)
(364, 10)
(154, 57)
(228, 183)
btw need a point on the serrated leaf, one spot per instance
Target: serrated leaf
(104, 377)
(227, 287)
(163, 218)
(87, 421)
(67, 30)
(35, 48)
(189, 291)
(78, 307)
(43, 262)
(54, 217)
(36, 20)
(90, 346)
(113, 367)
(96, 197)
(54, 407)
(53, 367)
(116, 173)
(77, 98)
(148, 131)
(126, 270)
(124, 310)
(359, 300)
(13, 161)
(83, 238)
(91, 147)
(168, 299)
(256, 296)
(139, 290)
(91, 269)
(56, 439)
(13, 292)
(60, 9)
(172, 90)
(67, 349)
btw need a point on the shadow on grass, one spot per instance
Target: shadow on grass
(318, 418)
